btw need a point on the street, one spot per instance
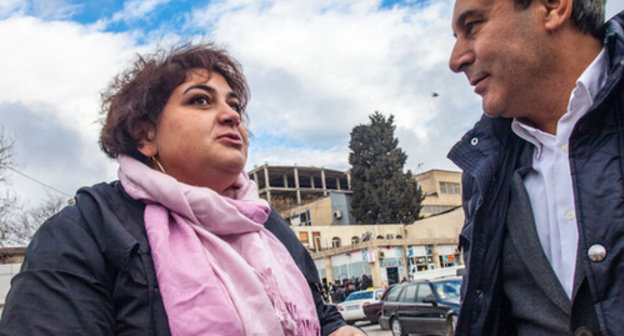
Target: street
(373, 329)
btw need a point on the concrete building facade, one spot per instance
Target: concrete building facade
(442, 190)
(293, 185)
(386, 253)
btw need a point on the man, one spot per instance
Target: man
(543, 182)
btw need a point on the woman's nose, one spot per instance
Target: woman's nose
(227, 114)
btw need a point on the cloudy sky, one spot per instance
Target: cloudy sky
(316, 69)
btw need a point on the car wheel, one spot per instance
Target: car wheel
(451, 323)
(395, 326)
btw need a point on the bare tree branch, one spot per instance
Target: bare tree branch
(7, 158)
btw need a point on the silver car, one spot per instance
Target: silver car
(351, 308)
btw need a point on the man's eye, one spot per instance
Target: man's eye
(470, 26)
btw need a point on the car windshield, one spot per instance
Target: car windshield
(360, 296)
(447, 289)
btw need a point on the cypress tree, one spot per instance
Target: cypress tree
(382, 192)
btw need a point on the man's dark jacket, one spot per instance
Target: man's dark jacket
(89, 271)
(490, 152)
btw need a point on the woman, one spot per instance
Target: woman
(181, 244)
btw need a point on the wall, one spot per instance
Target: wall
(346, 232)
(447, 225)
(430, 184)
(342, 202)
(320, 211)
(7, 271)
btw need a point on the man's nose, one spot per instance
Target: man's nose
(461, 56)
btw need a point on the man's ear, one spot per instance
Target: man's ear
(555, 13)
(146, 135)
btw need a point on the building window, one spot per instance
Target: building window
(380, 237)
(303, 238)
(434, 209)
(355, 240)
(316, 238)
(390, 236)
(450, 188)
(301, 218)
(335, 242)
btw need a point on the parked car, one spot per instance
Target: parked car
(426, 307)
(373, 310)
(351, 308)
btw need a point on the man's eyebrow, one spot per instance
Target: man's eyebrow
(461, 19)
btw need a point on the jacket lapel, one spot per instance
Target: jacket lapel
(523, 235)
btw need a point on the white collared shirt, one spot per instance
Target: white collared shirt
(549, 184)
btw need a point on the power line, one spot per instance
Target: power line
(39, 182)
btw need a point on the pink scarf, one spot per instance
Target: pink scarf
(220, 271)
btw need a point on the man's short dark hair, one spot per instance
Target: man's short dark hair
(587, 15)
(137, 96)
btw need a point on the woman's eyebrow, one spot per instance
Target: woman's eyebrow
(210, 90)
(234, 95)
(206, 88)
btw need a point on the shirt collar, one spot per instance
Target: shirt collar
(587, 87)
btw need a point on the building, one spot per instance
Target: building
(442, 190)
(386, 253)
(316, 202)
(11, 259)
(286, 186)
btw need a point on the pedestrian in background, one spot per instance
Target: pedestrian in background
(543, 175)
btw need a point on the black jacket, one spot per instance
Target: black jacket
(89, 271)
(489, 154)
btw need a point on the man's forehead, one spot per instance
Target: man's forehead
(462, 5)
(465, 8)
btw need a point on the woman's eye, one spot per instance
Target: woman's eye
(200, 100)
(235, 106)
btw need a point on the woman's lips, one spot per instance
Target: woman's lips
(231, 138)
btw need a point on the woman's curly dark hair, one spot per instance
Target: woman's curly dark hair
(136, 97)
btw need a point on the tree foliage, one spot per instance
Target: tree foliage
(382, 192)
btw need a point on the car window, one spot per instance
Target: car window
(393, 295)
(360, 296)
(424, 290)
(447, 289)
(378, 294)
(409, 293)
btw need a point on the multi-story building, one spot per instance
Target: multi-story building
(286, 186)
(320, 214)
(442, 190)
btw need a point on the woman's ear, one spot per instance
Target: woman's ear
(556, 13)
(146, 133)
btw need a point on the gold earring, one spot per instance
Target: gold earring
(155, 160)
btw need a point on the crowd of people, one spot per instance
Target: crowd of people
(338, 291)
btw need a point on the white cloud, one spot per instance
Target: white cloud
(46, 9)
(55, 73)
(11, 7)
(317, 69)
(135, 9)
(54, 9)
(613, 7)
(298, 156)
